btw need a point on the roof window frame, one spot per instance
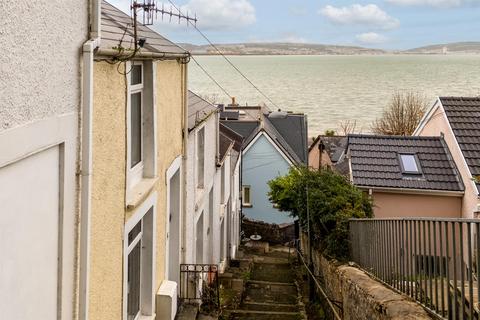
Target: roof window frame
(417, 163)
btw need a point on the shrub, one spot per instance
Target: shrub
(332, 201)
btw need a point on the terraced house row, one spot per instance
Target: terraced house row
(114, 178)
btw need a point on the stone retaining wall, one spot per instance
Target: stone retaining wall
(362, 297)
(270, 232)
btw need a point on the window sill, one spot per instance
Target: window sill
(247, 205)
(142, 317)
(139, 192)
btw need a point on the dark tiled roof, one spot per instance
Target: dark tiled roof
(463, 114)
(224, 144)
(375, 162)
(232, 135)
(290, 133)
(293, 130)
(198, 110)
(335, 146)
(243, 128)
(117, 25)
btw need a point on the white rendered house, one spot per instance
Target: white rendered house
(40, 105)
(212, 222)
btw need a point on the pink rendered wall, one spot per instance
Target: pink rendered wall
(394, 205)
(437, 125)
(313, 156)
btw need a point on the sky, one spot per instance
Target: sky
(385, 24)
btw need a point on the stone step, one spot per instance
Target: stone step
(271, 283)
(264, 315)
(187, 312)
(262, 306)
(271, 293)
(272, 272)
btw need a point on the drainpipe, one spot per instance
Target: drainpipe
(185, 156)
(86, 155)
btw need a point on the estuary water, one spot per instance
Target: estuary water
(331, 89)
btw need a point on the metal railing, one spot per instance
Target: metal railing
(331, 304)
(434, 261)
(199, 284)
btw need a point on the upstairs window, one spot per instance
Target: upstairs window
(200, 157)
(136, 117)
(409, 163)
(140, 123)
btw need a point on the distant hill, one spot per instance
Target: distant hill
(457, 47)
(279, 49)
(271, 48)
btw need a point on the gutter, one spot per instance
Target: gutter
(86, 155)
(414, 191)
(143, 54)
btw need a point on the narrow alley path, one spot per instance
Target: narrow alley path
(270, 290)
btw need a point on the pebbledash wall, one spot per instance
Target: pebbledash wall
(109, 213)
(40, 101)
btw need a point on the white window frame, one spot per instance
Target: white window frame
(147, 274)
(135, 173)
(247, 204)
(415, 160)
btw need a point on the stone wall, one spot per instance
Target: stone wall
(270, 232)
(360, 296)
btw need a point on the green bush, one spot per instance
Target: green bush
(332, 201)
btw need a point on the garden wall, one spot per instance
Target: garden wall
(360, 296)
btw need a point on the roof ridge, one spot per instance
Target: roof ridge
(386, 136)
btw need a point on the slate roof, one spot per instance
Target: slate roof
(463, 114)
(198, 110)
(243, 128)
(289, 133)
(232, 135)
(224, 144)
(117, 25)
(293, 129)
(375, 162)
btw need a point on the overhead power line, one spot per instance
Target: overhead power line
(226, 59)
(211, 78)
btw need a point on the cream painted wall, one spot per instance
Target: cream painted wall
(394, 205)
(109, 212)
(437, 125)
(169, 104)
(108, 193)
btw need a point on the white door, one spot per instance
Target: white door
(173, 236)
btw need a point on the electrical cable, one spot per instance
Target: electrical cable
(226, 59)
(211, 78)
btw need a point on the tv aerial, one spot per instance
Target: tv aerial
(150, 11)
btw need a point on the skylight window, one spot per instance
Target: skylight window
(409, 164)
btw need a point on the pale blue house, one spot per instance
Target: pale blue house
(274, 141)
